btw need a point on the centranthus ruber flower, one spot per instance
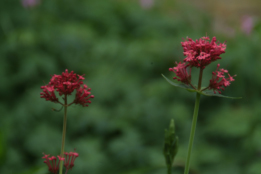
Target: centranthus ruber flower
(201, 53)
(69, 159)
(53, 166)
(65, 84)
(51, 163)
(181, 72)
(218, 81)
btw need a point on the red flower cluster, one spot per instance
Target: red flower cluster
(65, 84)
(216, 84)
(201, 52)
(68, 161)
(181, 71)
(51, 163)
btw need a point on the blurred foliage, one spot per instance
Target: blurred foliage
(122, 49)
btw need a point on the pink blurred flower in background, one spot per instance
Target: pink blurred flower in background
(146, 4)
(30, 3)
(247, 24)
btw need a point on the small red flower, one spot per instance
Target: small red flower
(48, 93)
(181, 72)
(69, 159)
(65, 84)
(51, 163)
(201, 53)
(218, 81)
(82, 96)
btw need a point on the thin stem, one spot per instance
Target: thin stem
(64, 132)
(194, 123)
(200, 78)
(204, 89)
(190, 78)
(192, 86)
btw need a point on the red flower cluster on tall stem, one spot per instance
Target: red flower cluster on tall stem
(65, 84)
(199, 54)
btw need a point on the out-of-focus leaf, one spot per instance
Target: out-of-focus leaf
(180, 85)
(211, 93)
(190, 89)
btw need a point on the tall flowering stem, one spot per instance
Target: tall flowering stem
(64, 132)
(65, 84)
(199, 54)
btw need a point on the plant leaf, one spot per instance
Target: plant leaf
(180, 85)
(211, 93)
(190, 89)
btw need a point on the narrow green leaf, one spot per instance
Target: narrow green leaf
(190, 89)
(211, 93)
(180, 85)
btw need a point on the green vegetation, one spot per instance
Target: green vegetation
(122, 49)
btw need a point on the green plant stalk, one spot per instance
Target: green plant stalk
(169, 169)
(194, 123)
(64, 132)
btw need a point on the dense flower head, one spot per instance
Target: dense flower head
(53, 167)
(201, 53)
(65, 84)
(218, 81)
(69, 159)
(181, 72)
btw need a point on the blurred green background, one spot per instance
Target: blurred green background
(122, 47)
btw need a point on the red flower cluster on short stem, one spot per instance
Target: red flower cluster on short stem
(65, 84)
(51, 163)
(69, 160)
(201, 53)
(53, 167)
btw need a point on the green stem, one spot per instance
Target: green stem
(169, 170)
(194, 123)
(200, 79)
(64, 132)
(192, 133)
